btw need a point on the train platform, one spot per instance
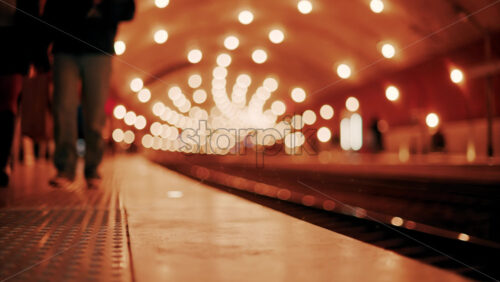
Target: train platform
(148, 223)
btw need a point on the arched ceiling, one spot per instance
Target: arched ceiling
(340, 31)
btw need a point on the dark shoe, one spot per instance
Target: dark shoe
(60, 181)
(4, 179)
(93, 182)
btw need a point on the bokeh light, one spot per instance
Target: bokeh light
(136, 84)
(304, 6)
(326, 112)
(278, 108)
(344, 71)
(457, 76)
(352, 104)
(199, 96)
(140, 122)
(259, 56)
(270, 84)
(162, 3)
(144, 95)
(119, 112)
(224, 60)
(194, 81)
(245, 17)
(309, 117)
(377, 6)
(231, 42)
(298, 95)
(276, 36)
(120, 47)
(128, 137)
(432, 120)
(161, 36)
(324, 134)
(388, 51)
(117, 135)
(392, 93)
(195, 56)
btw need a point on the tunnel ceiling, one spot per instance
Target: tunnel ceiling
(334, 32)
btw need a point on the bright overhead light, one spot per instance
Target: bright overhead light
(118, 135)
(304, 6)
(377, 6)
(457, 76)
(270, 84)
(326, 112)
(309, 117)
(136, 84)
(199, 96)
(161, 3)
(259, 56)
(231, 42)
(224, 60)
(298, 95)
(119, 112)
(344, 71)
(324, 134)
(144, 95)
(120, 47)
(352, 104)
(161, 36)
(278, 108)
(195, 56)
(392, 93)
(243, 80)
(432, 120)
(388, 51)
(276, 36)
(194, 81)
(245, 17)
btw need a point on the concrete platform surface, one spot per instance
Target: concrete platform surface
(147, 223)
(183, 230)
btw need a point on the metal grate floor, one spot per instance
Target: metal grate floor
(52, 237)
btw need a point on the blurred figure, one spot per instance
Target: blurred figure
(19, 30)
(438, 142)
(83, 34)
(377, 142)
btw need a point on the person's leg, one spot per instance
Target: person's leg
(95, 82)
(66, 81)
(11, 87)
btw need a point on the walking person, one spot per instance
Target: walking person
(83, 34)
(20, 49)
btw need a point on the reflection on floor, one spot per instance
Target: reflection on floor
(179, 229)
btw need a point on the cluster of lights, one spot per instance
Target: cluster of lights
(129, 117)
(119, 135)
(226, 107)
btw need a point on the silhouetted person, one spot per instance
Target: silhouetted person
(18, 50)
(83, 34)
(377, 143)
(438, 142)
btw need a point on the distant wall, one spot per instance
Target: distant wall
(459, 136)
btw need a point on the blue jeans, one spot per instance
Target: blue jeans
(93, 71)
